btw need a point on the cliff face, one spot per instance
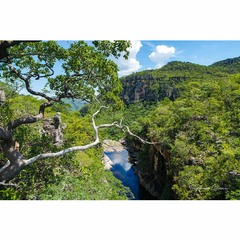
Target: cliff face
(148, 88)
(152, 176)
(151, 89)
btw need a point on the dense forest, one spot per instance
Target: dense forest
(196, 134)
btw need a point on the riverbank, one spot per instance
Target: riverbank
(111, 146)
(123, 145)
(114, 146)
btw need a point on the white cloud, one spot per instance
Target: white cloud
(162, 55)
(131, 65)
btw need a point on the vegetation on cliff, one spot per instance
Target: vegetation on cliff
(190, 111)
(79, 176)
(85, 71)
(197, 155)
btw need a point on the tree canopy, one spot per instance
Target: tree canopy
(87, 71)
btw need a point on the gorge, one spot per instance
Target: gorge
(123, 164)
(188, 109)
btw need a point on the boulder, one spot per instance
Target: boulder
(53, 127)
(107, 162)
(2, 96)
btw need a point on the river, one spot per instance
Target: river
(122, 169)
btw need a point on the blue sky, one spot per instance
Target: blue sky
(149, 54)
(155, 54)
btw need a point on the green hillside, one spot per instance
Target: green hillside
(231, 65)
(197, 134)
(197, 150)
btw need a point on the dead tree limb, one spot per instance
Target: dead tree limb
(17, 162)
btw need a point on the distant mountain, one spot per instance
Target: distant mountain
(230, 65)
(170, 80)
(75, 104)
(156, 84)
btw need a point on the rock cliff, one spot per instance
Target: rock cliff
(146, 87)
(152, 175)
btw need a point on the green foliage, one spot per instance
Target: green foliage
(130, 114)
(85, 68)
(89, 181)
(76, 175)
(200, 129)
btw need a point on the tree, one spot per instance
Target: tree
(88, 72)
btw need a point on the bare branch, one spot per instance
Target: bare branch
(96, 99)
(6, 173)
(122, 128)
(58, 154)
(5, 166)
(143, 141)
(121, 121)
(81, 148)
(9, 184)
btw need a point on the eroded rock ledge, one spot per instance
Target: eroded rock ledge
(107, 162)
(111, 146)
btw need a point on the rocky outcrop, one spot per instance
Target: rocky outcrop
(107, 162)
(153, 178)
(148, 88)
(55, 128)
(149, 182)
(2, 96)
(111, 146)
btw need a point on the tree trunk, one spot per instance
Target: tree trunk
(17, 162)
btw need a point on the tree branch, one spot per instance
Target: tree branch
(75, 76)
(9, 184)
(37, 76)
(81, 148)
(6, 135)
(58, 154)
(4, 45)
(31, 119)
(5, 166)
(26, 80)
(122, 128)
(10, 170)
(28, 54)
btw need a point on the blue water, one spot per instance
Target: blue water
(122, 169)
